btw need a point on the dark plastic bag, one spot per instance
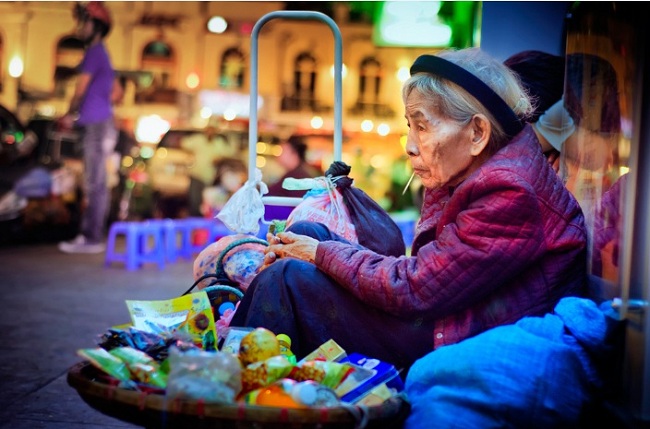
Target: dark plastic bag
(367, 216)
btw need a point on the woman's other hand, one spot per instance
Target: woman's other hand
(290, 245)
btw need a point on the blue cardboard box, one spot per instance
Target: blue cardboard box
(368, 374)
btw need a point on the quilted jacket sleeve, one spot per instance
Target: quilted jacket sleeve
(489, 231)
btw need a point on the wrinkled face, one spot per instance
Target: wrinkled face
(439, 148)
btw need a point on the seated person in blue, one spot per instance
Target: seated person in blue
(499, 237)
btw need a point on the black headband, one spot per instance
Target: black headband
(475, 86)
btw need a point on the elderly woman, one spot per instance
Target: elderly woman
(499, 237)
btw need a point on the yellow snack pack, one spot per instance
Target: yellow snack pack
(189, 314)
(328, 351)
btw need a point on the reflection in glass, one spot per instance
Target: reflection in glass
(598, 86)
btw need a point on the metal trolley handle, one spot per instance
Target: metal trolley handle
(338, 64)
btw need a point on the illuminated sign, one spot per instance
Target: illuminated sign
(432, 24)
(225, 102)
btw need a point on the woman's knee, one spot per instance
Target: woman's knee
(310, 229)
(282, 271)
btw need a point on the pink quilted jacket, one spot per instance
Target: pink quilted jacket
(508, 242)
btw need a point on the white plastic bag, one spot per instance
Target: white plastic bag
(323, 204)
(243, 211)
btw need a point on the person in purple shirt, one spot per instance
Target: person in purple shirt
(91, 110)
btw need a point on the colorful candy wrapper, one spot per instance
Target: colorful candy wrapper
(329, 374)
(143, 367)
(190, 315)
(106, 362)
(263, 373)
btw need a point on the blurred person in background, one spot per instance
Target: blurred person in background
(208, 147)
(231, 173)
(590, 159)
(293, 159)
(542, 75)
(91, 109)
(592, 100)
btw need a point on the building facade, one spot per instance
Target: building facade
(173, 67)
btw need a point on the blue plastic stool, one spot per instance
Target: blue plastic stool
(173, 238)
(189, 227)
(144, 243)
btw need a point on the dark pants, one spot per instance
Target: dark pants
(295, 298)
(195, 196)
(98, 142)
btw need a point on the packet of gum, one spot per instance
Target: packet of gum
(328, 351)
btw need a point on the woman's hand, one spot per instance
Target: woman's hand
(290, 245)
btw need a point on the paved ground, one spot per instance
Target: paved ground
(52, 305)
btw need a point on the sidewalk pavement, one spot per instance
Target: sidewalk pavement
(52, 305)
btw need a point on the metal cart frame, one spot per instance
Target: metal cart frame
(338, 64)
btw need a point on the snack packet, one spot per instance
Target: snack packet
(199, 374)
(329, 351)
(329, 374)
(142, 366)
(263, 373)
(189, 314)
(232, 338)
(104, 361)
(147, 342)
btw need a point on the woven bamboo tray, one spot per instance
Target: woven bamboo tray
(154, 410)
